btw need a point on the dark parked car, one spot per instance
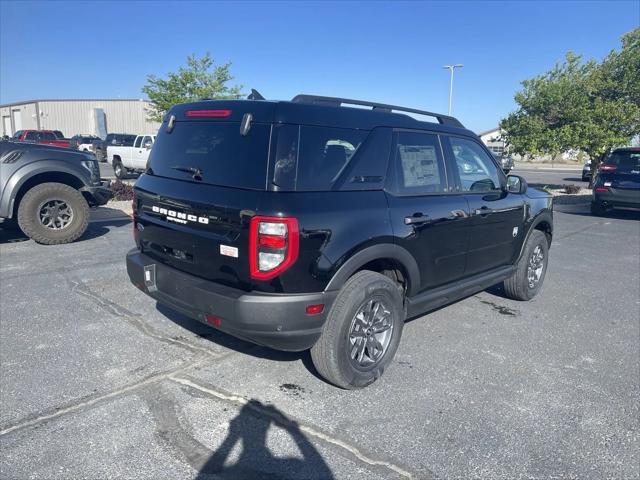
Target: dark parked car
(49, 190)
(84, 143)
(310, 224)
(100, 146)
(586, 171)
(617, 182)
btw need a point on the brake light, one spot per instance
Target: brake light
(215, 321)
(315, 309)
(607, 167)
(208, 113)
(273, 246)
(601, 189)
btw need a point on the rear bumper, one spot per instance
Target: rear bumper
(97, 195)
(277, 321)
(618, 198)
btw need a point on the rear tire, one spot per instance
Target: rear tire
(526, 281)
(118, 170)
(362, 331)
(53, 213)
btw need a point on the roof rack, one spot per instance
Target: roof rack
(337, 102)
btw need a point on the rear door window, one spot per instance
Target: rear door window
(418, 164)
(310, 158)
(216, 150)
(138, 142)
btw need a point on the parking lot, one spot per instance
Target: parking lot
(97, 381)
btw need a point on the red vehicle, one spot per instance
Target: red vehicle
(47, 137)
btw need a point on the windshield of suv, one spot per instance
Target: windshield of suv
(213, 153)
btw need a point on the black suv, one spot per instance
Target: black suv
(311, 224)
(617, 182)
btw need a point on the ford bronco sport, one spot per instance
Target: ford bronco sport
(312, 224)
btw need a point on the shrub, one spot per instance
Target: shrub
(121, 190)
(571, 189)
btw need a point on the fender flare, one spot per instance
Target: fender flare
(21, 176)
(376, 252)
(543, 216)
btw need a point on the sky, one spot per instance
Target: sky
(390, 52)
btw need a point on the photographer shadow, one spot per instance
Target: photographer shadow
(250, 428)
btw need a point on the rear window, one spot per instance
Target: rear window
(625, 160)
(124, 140)
(215, 151)
(310, 158)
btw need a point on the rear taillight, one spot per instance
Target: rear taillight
(273, 246)
(607, 167)
(601, 189)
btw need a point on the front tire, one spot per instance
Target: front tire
(53, 213)
(526, 281)
(362, 331)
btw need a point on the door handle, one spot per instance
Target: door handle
(417, 219)
(484, 211)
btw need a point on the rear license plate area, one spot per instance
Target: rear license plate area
(150, 277)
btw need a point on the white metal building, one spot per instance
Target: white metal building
(493, 140)
(97, 117)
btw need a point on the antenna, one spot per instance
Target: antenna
(255, 95)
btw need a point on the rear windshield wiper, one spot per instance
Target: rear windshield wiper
(195, 172)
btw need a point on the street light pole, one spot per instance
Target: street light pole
(451, 68)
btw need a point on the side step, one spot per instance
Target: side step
(447, 294)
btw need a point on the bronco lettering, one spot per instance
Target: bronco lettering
(173, 214)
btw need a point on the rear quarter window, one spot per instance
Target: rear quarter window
(311, 158)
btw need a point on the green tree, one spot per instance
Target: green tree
(587, 106)
(200, 78)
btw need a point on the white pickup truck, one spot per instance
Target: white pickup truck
(126, 159)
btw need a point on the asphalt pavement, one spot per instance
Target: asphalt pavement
(97, 381)
(553, 177)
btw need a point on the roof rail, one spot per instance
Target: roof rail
(337, 102)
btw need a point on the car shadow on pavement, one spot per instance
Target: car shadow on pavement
(584, 210)
(232, 343)
(11, 233)
(250, 427)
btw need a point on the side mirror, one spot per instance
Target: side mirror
(516, 184)
(148, 145)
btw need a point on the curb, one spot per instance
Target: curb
(571, 199)
(559, 168)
